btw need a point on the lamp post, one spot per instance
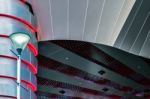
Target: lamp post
(20, 41)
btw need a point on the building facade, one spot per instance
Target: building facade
(17, 16)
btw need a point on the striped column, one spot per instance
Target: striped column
(17, 16)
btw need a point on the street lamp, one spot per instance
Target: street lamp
(20, 41)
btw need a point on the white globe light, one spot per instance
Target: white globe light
(19, 40)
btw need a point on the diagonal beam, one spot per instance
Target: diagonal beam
(64, 56)
(60, 77)
(130, 60)
(70, 93)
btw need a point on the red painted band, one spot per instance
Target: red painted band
(30, 46)
(23, 1)
(32, 49)
(30, 85)
(30, 66)
(27, 24)
(12, 97)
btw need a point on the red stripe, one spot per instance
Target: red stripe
(32, 49)
(30, 46)
(30, 66)
(30, 85)
(23, 1)
(12, 97)
(114, 97)
(5, 36)
(27, 24)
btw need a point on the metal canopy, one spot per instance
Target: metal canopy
(92, 69)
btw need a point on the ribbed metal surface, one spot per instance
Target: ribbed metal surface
(98, 21)
(135, 35)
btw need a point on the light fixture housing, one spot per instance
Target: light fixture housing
(101, 72)
(62, 92)
(105, 89)
(19, 40)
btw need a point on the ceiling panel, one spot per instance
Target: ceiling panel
(93, 69)
(134, 36)
(45, 23)
(60, 77)
(120, 23)
(87, 66)
(145, 49)
(92, 20)
(87, 20)
(110, 14)
(59, 18)
(142, 35)
(77, 14)
(69, 93)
